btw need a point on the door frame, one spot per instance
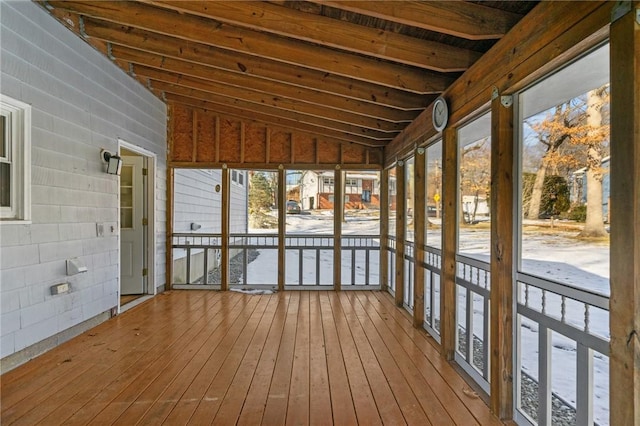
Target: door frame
(150, 254)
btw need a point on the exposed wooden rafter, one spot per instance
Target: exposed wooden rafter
(214, 33)
(354, 72)
(262, 92)
(460, 19)
(323, 31)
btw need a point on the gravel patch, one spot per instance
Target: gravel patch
(562, 413)
(236, 268)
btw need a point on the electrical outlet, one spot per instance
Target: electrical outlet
(59, 288)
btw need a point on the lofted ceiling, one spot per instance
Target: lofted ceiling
(350, 71)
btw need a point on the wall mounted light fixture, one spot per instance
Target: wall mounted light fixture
(113, 161)
(195, 226)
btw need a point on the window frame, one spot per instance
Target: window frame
(18, 155)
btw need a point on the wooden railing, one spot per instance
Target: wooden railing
(565, 328)
(196, 258)
(473, 294)
(561, 327)
(360, 260)
(409, 262)
(432, 264)
(391, 263)
(308, 260)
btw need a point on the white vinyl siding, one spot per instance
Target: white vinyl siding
(80, 103)
(196, 201)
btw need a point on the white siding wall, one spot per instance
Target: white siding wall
(81, 102)
(238, 205)
(311, 184)
(195, 200)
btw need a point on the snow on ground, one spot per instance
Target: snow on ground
(261, 271)
(563, 258)
(557, 256)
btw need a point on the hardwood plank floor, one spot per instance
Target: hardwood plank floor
(226, 358)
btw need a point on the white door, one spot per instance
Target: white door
(132, 279)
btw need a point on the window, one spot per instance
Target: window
(564, 175)
(234, 176)
(15, 159)
(328, 181)
(241, 178)
(474, 188)
(433, 195)
(351, 182)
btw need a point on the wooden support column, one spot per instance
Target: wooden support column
(400, 230)
(624, 364)
(224, 258)
(449, 243)
(194, 138)
(384, 230)
(338, 217)
(169, 227)
(419, 213)
(502, 213)
(217, 139)
(282, 224)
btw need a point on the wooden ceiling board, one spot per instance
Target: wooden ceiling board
(354, 72)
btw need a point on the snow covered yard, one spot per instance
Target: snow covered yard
(317, 225)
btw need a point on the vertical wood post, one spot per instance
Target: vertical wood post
(624, 311)
(502, 212)
(419, 212)
(449, 243)
(400, 230)
(194, 138)
(338, 216)
(169, 227)
(282, 223)
(384, 230)
(224, 268)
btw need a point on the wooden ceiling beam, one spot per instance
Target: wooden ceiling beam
(209, 32)
(261, 68)
(461, 19)
(286, 124)
(545, 38)
(292, 116)
(231, 80)
(321, 30)
(234, 94)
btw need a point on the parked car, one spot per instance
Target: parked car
(293, 207)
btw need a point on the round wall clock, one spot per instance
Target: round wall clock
(440, 114)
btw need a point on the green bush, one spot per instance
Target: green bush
(555, 196)
(578, 213)
(555, 193)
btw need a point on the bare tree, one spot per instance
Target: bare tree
(593, 139)
(475, 176)
(575, 135)
(552, 133)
